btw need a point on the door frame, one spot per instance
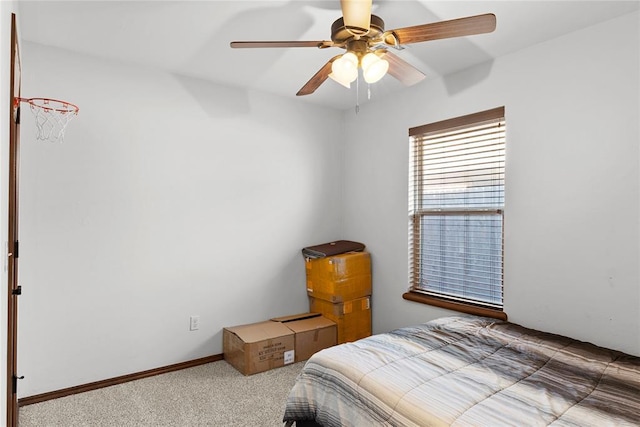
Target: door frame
(13, 289)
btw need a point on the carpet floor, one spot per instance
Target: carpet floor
(214, 394)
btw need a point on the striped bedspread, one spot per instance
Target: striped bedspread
(467, 371)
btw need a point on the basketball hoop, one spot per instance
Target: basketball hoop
(52, 117)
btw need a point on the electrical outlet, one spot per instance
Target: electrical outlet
(194, 323)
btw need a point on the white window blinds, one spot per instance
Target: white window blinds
(456, 189)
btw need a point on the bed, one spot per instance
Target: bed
(467, 371)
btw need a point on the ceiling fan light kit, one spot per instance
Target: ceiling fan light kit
(366, 42)
(344, 70)
(373, 67)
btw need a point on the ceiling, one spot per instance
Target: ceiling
(191, 38)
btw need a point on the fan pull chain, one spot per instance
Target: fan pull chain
(358, 95)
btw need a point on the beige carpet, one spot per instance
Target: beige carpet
(214, 394)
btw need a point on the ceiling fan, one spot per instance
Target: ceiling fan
(366, 41)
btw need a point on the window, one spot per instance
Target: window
(456, 203)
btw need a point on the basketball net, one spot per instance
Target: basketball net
(52, 117)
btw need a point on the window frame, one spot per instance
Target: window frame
(413, 294)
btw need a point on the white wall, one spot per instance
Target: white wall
(572, 198)
(169, 197)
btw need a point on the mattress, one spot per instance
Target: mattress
(467, 371)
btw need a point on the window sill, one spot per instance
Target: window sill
(456, 306)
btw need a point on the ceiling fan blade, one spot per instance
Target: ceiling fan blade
(260, 44)
(402, 70)
(356, 15)
(317, 79)
(471, 25)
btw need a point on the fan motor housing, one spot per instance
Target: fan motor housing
(340, 34)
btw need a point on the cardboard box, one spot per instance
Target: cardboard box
(339, 278)
(258, 347)
(313, 332)
(353, 318)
